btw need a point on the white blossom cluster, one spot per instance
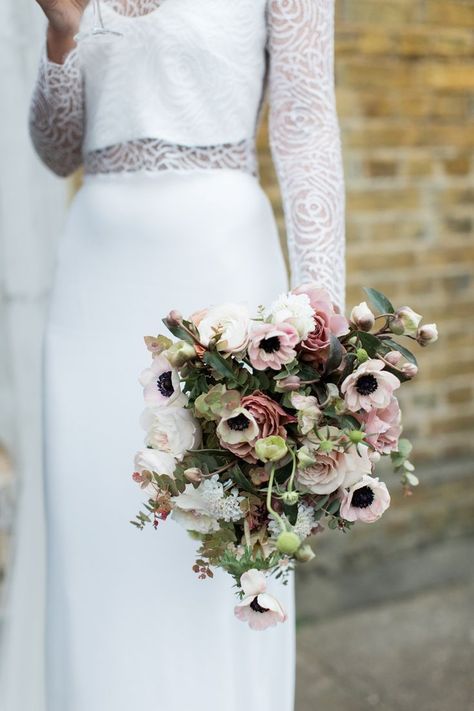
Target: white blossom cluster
(217, 503)
(305, 523)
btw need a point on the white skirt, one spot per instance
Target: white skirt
(129, 625)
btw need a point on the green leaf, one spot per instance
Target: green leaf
(319, 504)
(291, 513)
(336, 353)
(333, 507)
(404, 351)
(237, 475)
(178, 331)
(369, 342)
(216, 361)
(379, 301)
(404, 447)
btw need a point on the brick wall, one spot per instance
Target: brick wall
(405, 97)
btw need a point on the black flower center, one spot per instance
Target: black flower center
(164, 384)
(366, 384)
(239, 422)
(363, 497)
(256, 607)
(270, 345)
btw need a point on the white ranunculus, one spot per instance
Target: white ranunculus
(295, 309)
(171, 429)
(231, 322)
(307, 409)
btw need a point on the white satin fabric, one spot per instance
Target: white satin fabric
(129, 625)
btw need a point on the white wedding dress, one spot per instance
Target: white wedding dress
(171, 215)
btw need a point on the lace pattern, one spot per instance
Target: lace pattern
(150, 155)
(57, 113)
(305, 139)
(303, 126)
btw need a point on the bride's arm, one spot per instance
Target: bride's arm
(305, 140)
(57, 114)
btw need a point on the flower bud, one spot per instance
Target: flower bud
(362, 317)
(290, 497)
(305, 458)
(288, 542)
(174, 317)
(339, 406)
(409, 369)
(356, 436)
(326, 445)
(396, 326)
(393, 357)
(409, 318)
(179, 353)
(288, 384)
(362, 355)
(427, 334)
(374, 456)
(304, 553)
(333, 391)
(193, 474)
(270, 449)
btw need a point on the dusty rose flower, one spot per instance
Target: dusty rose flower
(365, 501)
(326, 471)
(258, 608)
(161, 384)
(383, 426)
(269, 415)
(369, 386)
(260, 410)
(362, 317)
(272, 345)
(327, 321)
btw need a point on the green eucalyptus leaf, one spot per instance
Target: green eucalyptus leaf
(379, 301)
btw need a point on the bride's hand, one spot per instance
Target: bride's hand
(64, 15)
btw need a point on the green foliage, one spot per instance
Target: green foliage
(379, 301)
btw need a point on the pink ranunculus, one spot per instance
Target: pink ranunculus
(270, 418)
(328, 321)
(365, 501)
(258, 608)
(333, 469)
(272, 345)
(383, 426)
(369, 386)
(269, 415)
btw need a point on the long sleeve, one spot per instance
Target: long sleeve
(305, 140)
(57, 115)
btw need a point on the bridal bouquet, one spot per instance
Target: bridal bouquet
(259, 429)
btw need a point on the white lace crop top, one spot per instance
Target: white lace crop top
(183, 88)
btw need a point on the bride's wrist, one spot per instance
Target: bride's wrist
(59, 44)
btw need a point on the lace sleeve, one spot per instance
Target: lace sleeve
(305, 140)
(56, 119)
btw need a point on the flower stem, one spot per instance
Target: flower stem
(293, 471)
(271, 510)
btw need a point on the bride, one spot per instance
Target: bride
(171, 214)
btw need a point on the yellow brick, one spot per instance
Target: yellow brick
(388, 12)
(451, 76)
(382, 199)
(459, 13)
(460, 165)
(379, 75)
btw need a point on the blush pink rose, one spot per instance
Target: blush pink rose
(327, 321)
(383, 426)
